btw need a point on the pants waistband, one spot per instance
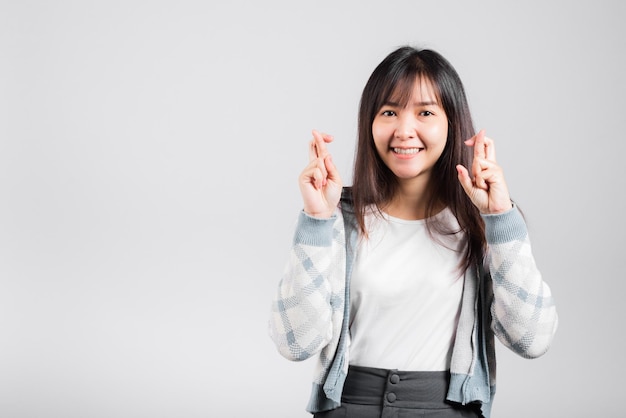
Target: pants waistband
(404, 389)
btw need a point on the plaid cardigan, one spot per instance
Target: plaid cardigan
(506, 297)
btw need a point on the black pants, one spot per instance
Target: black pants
(381, 393)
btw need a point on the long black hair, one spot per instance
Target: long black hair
(375, 184)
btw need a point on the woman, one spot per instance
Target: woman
(400, 283)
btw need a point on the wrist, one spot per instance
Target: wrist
(319, 215)
(498, 209)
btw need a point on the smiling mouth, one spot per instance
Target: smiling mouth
(407, 151)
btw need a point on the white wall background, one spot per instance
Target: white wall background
(149, 152)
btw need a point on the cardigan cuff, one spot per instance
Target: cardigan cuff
(505, 227)
(317, 232)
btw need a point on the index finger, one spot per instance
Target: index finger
(312, 150)
(489, 149)
(479, 145)
(320, 147)
(483, 146)
(319, 141)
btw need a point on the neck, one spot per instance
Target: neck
(410, 201)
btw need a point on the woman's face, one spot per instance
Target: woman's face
(410, 139)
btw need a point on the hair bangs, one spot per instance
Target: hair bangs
(398, 88)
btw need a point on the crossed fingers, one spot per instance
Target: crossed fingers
(484, 163)
(317, 156)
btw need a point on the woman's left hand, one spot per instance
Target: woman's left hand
(487, 189)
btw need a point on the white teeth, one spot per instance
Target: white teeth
(406, 151)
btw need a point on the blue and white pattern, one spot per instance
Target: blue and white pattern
(506, 298)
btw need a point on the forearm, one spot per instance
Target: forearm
(523, 310)
(301, 318)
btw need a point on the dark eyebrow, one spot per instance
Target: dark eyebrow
(426, 103)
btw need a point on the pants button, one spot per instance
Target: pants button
(394, 378)
(391, 397)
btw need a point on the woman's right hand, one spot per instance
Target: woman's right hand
(320, 183)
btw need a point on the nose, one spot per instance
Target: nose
(406, 127)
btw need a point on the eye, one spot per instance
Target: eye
(426, 113)
(388, 113)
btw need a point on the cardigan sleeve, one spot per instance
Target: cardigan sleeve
(308, 305)
(523, 310)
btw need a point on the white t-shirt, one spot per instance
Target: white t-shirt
(406, 293)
